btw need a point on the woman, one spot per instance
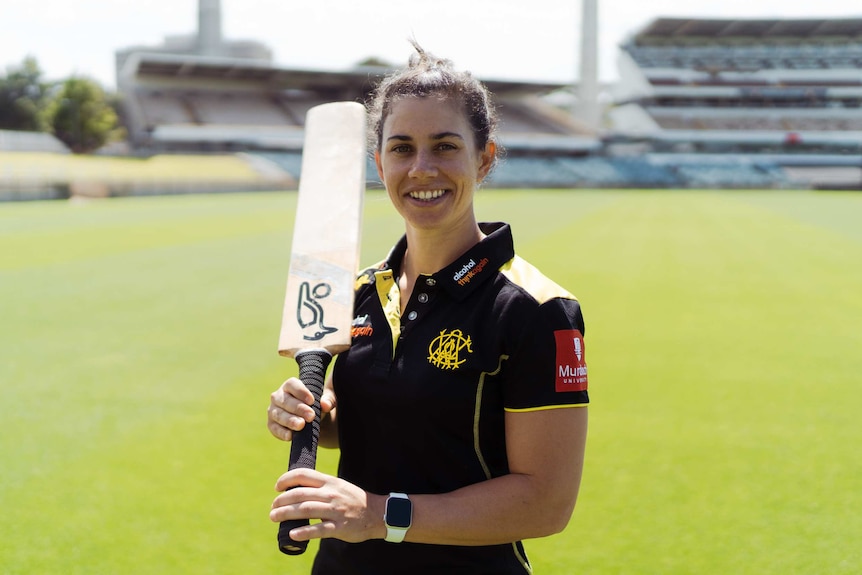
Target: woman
(461, 413)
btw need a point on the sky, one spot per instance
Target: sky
(535, 40)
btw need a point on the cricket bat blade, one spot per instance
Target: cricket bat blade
(324, 259)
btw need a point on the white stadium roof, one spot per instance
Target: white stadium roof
(670, 29)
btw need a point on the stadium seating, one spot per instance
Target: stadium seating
(291, 162)
(748, 57)
(640, 172)
(543, 171)
(764, 87)
(734, 86)
(244, 109)
(161, 108)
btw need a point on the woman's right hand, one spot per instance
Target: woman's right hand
(290, 408)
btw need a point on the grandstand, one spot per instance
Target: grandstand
(193, 103)
(203, 93)
(697, 98)
(701, 103)
(786, 90)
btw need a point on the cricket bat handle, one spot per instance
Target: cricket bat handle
(303, 449)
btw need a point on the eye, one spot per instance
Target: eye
(446, 146)
(401, 148)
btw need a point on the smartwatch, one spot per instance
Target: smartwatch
(398, 517)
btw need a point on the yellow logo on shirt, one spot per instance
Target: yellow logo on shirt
(445, 350)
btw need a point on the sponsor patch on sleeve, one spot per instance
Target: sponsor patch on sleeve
(571, 362)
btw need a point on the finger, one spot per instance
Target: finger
(294, 388)
(286, 508)
(287, 419)
(327, 402)
(292, 405)
(301, 477)
(321, 530)
(296, 498)
(279, 431)
(300, 503)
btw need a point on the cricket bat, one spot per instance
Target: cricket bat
(324, 260)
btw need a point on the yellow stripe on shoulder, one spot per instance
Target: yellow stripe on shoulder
(364, 276)
(361, 280)
(522, 273)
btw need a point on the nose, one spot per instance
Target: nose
(423, 166)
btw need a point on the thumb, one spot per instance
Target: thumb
(327, 402)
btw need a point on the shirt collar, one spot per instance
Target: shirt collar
(472, 268)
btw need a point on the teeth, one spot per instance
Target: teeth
(427, 194)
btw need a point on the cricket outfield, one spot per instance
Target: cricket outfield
(139, 344)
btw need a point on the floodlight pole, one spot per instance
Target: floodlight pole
(209, 27)
(587, 106)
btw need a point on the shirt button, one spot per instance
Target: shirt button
(412, 315)
(431, 282)
(423, 298)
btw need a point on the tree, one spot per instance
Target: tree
(374, 62)
(23, 97)
(81, 116)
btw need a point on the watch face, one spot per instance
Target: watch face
(399, 512)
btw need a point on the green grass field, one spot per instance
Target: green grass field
(65, 167)
(137, 354)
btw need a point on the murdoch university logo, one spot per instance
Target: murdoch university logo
(571, 365)
(446, 349)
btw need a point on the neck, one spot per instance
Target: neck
(429, 251)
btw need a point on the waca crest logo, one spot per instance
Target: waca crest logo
(445, 349)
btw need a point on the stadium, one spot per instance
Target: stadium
(700, 104)
(698, 208)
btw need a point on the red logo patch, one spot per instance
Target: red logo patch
(571, 362)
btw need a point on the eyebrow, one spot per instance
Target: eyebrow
(439, 136)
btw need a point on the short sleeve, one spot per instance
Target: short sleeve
(547, 368)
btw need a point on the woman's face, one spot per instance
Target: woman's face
(429, 163)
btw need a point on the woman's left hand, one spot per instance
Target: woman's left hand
(345, 511)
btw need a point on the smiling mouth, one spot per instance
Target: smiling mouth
(427, 195)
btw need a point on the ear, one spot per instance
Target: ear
(486, 159)
(379, 165)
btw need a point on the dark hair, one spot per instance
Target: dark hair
(427, 75)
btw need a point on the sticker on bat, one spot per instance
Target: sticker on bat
(309, 312)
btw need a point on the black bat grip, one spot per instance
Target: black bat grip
(303, 449)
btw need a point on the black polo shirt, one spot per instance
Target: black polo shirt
(422, 395)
